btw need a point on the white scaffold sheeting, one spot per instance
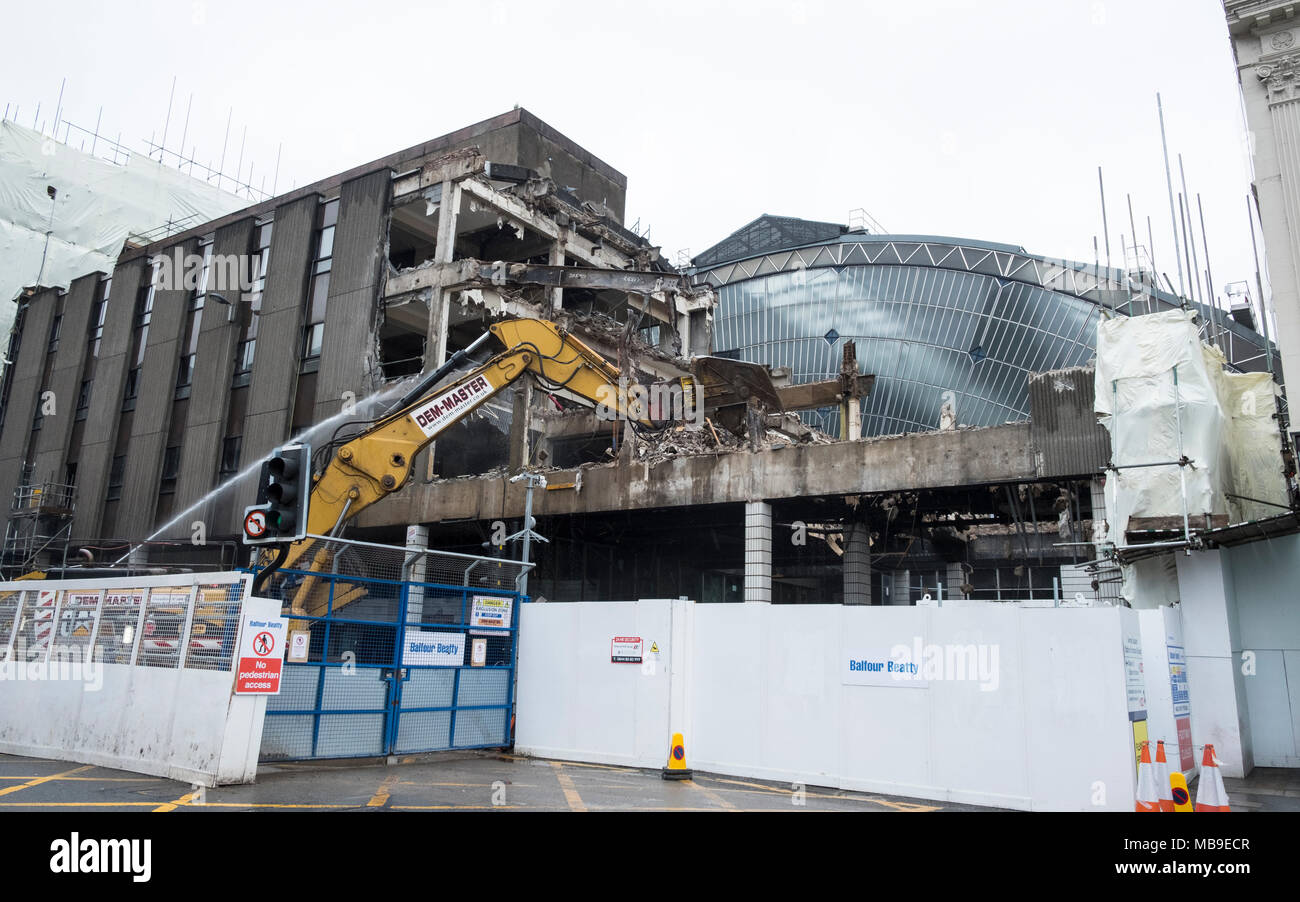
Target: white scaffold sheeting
(1225, 425)
(98, 205)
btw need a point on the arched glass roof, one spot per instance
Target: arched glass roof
(937, 320)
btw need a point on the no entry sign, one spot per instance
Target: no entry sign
(261, 648)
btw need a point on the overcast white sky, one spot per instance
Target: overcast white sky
(974, 119)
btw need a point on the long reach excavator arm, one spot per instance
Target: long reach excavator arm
(378, 462)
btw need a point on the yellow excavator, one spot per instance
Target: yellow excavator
(378, 462)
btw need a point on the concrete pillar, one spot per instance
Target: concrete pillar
(417, 540)
(902, 594)
(758, 551)
(435, 341)
(520, 420)
(1213, 646)
(857, 564)
(555, 257)
(444, 252)
(952, 582)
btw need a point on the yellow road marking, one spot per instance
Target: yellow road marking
(39, 780)
(183, 800)
(380, 798)
(566, 785)
(77, 804)
(155, 805)
(95, 779)
(710, 795)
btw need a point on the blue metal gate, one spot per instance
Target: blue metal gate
(407, 651)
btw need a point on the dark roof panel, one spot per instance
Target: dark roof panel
(769, 233)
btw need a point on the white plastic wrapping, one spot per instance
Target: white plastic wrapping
(98, 205)
(1224, 424)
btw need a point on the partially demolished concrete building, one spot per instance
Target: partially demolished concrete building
(788, 492)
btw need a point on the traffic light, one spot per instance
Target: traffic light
(282, 493)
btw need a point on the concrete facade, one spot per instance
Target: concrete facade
(1265, 38)
(165, 393)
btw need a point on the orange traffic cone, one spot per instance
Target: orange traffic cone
(676, 769)
(1148, 796)
(1162, 778)
(1210, 795)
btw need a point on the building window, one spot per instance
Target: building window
(132, 389)
(262, 253)
(116, 476)
(144, 303)
(184, 376)
(97, 314)
(38, 420)
(197, 298)
(55, 328)
(230, 448)
(313, 337)
(83, 399)
(243, 363)
(170, 468)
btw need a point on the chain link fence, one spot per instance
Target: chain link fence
(408, 650)
(168, 622)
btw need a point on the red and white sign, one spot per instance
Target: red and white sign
(438, 413)
(44, 619)
(626, 650)
(255, 524)
(261, 648)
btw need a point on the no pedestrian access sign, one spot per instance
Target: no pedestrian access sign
(261, 648)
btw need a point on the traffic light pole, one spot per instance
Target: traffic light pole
(265, 573)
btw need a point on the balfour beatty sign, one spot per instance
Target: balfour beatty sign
(425, 647)
(261, 648)
(433, 415)
(882, 667)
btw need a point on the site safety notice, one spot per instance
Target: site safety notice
(261, 648)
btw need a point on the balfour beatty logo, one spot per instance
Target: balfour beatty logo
(440, 648)
(883, 667)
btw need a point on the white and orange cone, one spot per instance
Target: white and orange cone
(1148, 795)
(1210, 795)
(1162, 778)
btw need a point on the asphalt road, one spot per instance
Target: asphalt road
(465, 781)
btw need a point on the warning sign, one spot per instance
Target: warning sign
(261, 648)
(299, 645)
(490, 610)
(626, 650)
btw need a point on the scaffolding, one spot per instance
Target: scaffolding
(40, 516)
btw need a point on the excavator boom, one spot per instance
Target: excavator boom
(378, 462)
